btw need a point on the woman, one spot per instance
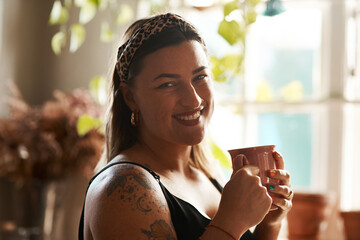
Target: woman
(159, 183)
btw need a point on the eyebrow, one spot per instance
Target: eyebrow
(199, 69)
(173, 75)
(167, 75)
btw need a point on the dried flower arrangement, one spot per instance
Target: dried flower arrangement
(43, 142)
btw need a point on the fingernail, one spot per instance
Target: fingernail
(272, 173)
(271, 187)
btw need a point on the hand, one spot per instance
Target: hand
(281, 194)
(244, 202)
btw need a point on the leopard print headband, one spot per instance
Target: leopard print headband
(152, 27)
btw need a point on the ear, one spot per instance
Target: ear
(129, 98)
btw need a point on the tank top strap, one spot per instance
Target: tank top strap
(216, 184)
(156, 176)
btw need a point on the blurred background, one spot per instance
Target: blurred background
(286, 73)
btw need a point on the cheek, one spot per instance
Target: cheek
(208, 96)
(155, 111)
(210, 101)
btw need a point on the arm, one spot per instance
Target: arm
(126, 202)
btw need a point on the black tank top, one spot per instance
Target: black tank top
(188, 222)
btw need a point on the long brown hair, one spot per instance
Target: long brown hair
(119, 133)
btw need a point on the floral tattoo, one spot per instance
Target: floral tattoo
(159, 230)
(133, 187)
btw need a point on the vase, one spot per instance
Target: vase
(309, 215)
(351, 221)
(22, 209)
(41, 210)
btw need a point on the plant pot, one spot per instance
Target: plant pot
(309, 214)
(351, 224)
(22, 209)
(42, 210)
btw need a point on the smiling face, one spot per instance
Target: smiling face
(173, 94)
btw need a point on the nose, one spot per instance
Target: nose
(190, 97)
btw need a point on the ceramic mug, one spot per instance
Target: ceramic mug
(262, 157)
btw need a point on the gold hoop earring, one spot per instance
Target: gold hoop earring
(134, 119)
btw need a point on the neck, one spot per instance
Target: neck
(166, 158)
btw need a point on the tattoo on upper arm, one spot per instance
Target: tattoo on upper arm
(141, 204)
(121, 179)
(159, 230)
(127, 184)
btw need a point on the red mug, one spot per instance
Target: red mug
(262, 157)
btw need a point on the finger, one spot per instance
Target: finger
(280, 174)
(279, 160)
(246, 161)
(249, 170)
(282, 203)
(238, 162)
(281, 190)
(252, 170)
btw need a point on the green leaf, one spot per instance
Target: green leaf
(219, 154)
(87, 123)
(58, 14)
(57, 42)
(250, 16)
(87, 12)
(98, 88)
(253, 3)
(107, 34)
(231, 31)
(229, 7)
(95, 2)
(125, 14)
(217, 69)
(77, 36)
(229, 65)
(232, 62)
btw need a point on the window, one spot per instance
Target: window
(296, 74)
(283, 59)
(352, 87)
(351, 153)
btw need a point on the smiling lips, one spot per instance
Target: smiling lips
(189, 116)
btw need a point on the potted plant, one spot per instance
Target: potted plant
(46, 152)
(309, 214)
(351, 221)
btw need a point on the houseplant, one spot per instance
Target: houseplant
(309, 214)
(351, 221)
(43, 158)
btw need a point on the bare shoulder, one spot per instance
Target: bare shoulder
(126, 201)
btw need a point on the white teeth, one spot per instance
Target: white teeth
(190, 117)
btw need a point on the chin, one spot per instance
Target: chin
(194, 139)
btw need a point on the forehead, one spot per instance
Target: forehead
(185, 56)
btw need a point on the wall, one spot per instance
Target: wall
(26, 56)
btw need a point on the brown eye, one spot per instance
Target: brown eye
(166, 85)
(202, 77)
